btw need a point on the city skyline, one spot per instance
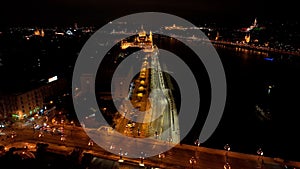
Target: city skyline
(100, 12)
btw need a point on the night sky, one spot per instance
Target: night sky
(57, 12)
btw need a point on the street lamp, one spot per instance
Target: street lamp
(260, 154)
(73, 125)
(62, 138)
(197, 142)
(138, 131)
(121, 156)
(227, 148)
(156, 134)
(169, 139)
(104, 110)
(192, 161)
(13, 136)
(227, 166)
(161, 156)
(41, 135)
(142, 159)
(90, 143)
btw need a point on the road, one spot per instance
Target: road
(177, 157)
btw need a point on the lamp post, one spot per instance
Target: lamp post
(121, 156)
(138, 131)
(73, 124)
(104, 110)
(161, 156)
(169, 139)
(227, 166)
(192, 162)
(227, 148)
(260, 154)
(142, 159)
(197, 142)
(41, 135)
(90, 144)
(13, 136)
(156, 134)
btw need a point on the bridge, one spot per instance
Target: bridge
(156, 113)
(179, 157)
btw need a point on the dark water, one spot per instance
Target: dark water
(249, 76)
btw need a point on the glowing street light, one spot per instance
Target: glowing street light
(227, 148)
(62, 138)
(197, 142)
(121, 156)
(192, 161)
(41, 135)
(142, 159)
(161, 156)
(227, 166)
(156, 134)
(90, 144)
(260, 154)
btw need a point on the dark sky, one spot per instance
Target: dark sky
(58, 12)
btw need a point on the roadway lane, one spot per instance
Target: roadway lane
(177, 157)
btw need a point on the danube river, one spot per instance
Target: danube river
(262, 104)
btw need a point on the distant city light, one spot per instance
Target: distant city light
(51, 79)
(69, 32)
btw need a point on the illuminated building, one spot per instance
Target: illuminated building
(251, 27)
(141, 41)
(39, 33)
(42, 33)
(174, 27)
(247, 38)
(22, 104)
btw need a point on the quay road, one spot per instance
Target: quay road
(177, 157)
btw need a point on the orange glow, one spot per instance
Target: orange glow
(247, 38)
(37, 33)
